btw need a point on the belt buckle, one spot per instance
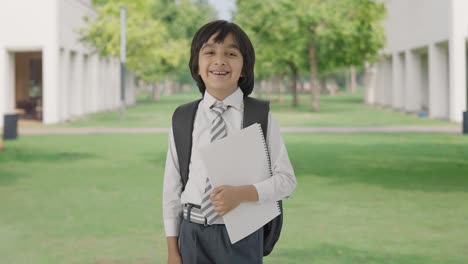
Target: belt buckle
(189, 212)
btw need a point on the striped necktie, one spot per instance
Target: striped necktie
(218, 131)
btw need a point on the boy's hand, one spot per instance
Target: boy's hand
(225, 198)
(174, 259)
(173, 254)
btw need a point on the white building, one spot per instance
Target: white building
(423, 67)
(45, 72)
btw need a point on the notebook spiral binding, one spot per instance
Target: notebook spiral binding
(267, 154)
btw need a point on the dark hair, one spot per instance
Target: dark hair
(223, 28)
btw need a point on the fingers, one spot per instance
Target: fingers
(216, 191)
(220, 208)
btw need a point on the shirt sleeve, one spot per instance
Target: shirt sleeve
(172, 189)
(283, 182)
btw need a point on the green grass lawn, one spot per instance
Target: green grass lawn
(361, 198)
(344, 110)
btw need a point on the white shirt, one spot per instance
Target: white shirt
(278, 187)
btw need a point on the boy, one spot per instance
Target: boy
(222, 64)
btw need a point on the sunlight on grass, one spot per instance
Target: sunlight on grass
(361, 198)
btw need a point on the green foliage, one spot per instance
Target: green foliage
(158, 33)
(344, 32)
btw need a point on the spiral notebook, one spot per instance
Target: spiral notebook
(241, 159)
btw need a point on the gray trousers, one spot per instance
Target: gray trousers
(210, 244)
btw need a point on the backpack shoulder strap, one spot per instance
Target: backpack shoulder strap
(256, 110)
(182, 127)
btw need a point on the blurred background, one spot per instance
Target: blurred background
(371, 97)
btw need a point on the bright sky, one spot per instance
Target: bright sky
(224, 8)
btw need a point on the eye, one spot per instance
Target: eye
(209, 52)
(232, 54)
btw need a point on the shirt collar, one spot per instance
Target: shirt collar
(234, 100)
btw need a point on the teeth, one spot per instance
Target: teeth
(219, 73)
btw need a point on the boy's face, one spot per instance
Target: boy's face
(220, 65)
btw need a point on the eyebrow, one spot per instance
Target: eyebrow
(211, 45)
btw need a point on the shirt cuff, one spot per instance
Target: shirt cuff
(171, 226)
(264, 190)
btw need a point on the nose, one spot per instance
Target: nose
(219, 60)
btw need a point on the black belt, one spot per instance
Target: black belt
(192, 213)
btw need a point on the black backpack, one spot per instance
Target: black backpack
(255, 111)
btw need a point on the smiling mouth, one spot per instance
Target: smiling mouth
(221, 73)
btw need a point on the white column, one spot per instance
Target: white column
(50, 65)
(85, 85)
(438, 82)
(380, 82)
(3, 82)
(457, 60)
(424, 81)
(388, 82)
(413, 87)
(64, 107)
(116, 82)
(398, 81)
(78, 71)
(51, 84)
(101, 87)
(72, 85)
(7, 83)
(94, 81)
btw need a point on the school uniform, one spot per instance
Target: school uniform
(201, 243)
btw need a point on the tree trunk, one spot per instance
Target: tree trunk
(168, 87)
(269, 89)
(353, 80)
(314, 88)
(348, 81)
(280, 87)
(293, 83)
(156, 91)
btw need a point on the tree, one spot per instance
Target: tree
(329, 34)
(275, 35)
(158, 34)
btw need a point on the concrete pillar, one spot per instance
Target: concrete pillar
(388, 82)
(51, 82)
(85, 85)
(94, 81)
(457, 60)
(105, 84)
(64, 104)
(438, 81)
(3, 82)
(116, 82)
(100, 87)
(72, 103)
(398, 67)
(7, 83)
(424, 81)
(413, 85)
(78, 71)
(380, 82)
